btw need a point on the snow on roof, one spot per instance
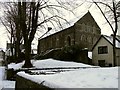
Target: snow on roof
(110, 39)
(0, 49)
(118, 37)
(82, 78)
(65, 25)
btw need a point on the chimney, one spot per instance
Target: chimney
(112, 35)
(49, 28)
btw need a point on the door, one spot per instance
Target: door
(101, 63)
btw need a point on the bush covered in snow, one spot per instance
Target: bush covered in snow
(68, 53)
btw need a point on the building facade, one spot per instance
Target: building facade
(103, 51)
(84, 33)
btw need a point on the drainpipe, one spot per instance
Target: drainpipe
(74, 33)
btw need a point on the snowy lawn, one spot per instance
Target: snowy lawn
(78, 78)
(49, 63)
(5, 83)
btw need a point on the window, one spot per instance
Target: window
(93, 29)
(57, 42)
(82, 37)
(103, 50)
(86, 29)
(69, 40)
(101, 63)
(89, 39)
(83, 26)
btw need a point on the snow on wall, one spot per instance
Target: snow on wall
(83, 78)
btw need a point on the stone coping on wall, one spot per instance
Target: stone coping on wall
(26, 84)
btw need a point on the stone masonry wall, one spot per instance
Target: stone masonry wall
(25, 84)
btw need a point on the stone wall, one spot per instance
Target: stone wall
(57, 40)
(87, 32)
(25, 84)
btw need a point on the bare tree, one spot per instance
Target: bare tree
(34, 15)
(10, 22)
(111, 15)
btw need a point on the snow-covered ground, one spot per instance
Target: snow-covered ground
(49, 63)
(89, 77)
(5, 83)
(83, 78)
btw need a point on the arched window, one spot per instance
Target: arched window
(57, 42)
(68, 41)
(82, 37)
(89, 39)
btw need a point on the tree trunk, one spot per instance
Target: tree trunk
(11, 41)
(115, 32)
(17, 42)
(17, 38)
(18, 50)
(114, 51)
(27, 63)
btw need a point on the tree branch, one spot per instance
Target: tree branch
(104, 15)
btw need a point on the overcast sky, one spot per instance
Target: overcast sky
(105, 29)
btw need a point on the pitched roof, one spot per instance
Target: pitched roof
(64, 26)
(110, 40)
(67, 25)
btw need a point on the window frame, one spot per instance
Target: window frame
(103, 50)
